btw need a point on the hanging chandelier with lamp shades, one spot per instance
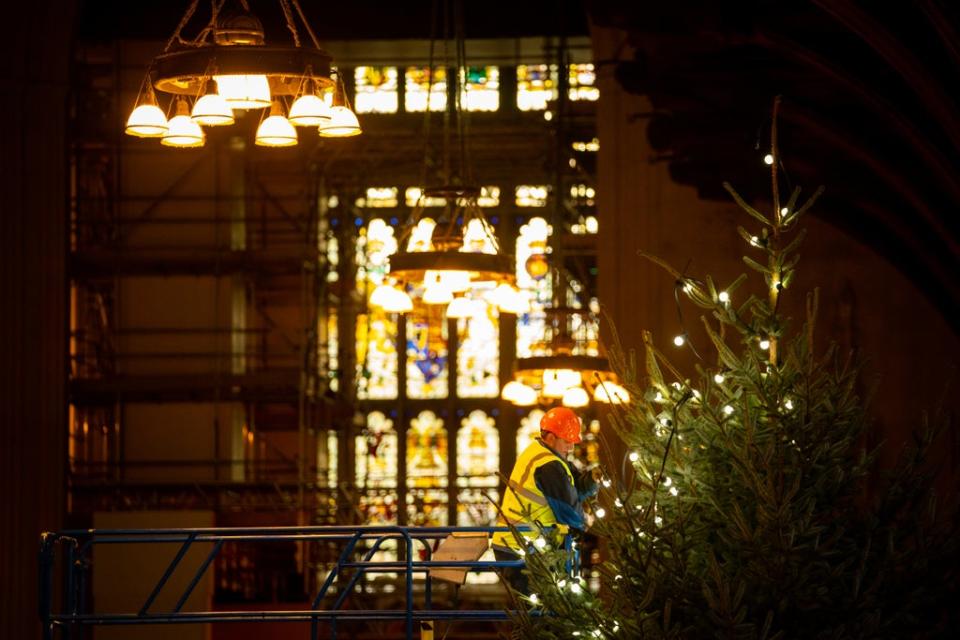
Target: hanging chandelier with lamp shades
(228, 68)
(566, 367)
(451, 257)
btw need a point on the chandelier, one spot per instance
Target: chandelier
(450, 258)
(567, 366)
(228, 68)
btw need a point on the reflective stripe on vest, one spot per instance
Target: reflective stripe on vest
(523, 496)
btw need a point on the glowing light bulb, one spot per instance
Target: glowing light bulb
(601, 512)
(764, 344)
(768, 159)
(678, 340)
(784, 211)
(673, 491)
(788, 405)
(146, 121)
(755, 241)
(534, 599)
(718, 378)
(540, 542)
(575, 588)
(634, 456)
(728, 409)
(724, 297)
(244, 92)
(606, 483)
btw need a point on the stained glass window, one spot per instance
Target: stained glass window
(583, 195)
(376, 89)
(427, 471)
(489, 197)
(529, 430)
(530, 195)
(582, 83)
(536, 85)
(378, 197)
(418, 82)
(478, 461)
(478, 364)
(427, 352)
(591, 146)
(532, 270)
(412, 197)
(376, 469)
(480, 88)
(377, 359)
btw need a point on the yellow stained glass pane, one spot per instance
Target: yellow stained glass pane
(532, 271)
(478, 364)
(531, 195)
(529, 430)
(582, 83)
(427, 470)
(536, 85)
(376, 330)
(376, 89)
(419, 86)
(376, 453)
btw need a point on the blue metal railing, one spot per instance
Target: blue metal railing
(73, 550)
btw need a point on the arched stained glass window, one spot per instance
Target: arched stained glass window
(478, 461)
(533, 277)
(529, 430)
(376, 470)
(480, 88)
(377, 360)
(478, 363)
(417, 84)
(427, 470)
(427, 370)
(376, 89)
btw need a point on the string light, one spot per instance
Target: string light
(634, 456)
(764, 344)
(728, 409)
(601, 512)
(724, 297)
(718, 378)
(678, 341)
(540, 542)
(673, 491)
(784, 211)
(618, 503)
(534, 599)
(606, 483)
(755, 241)
(575, 588)
(788, 405)
(768, 159)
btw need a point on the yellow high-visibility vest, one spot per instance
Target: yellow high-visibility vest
(523, 494)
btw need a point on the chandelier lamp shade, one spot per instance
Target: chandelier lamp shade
(455, 262)
(567, 368)
(229, 68)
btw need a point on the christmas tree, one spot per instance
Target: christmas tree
(741, 508)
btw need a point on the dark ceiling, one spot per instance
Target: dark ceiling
(869, 110)
(869, 101)
(351, 20)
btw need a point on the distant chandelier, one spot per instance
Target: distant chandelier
(453, 258)
(228, 68)
(566, 367)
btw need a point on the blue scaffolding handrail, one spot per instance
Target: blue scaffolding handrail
(73, 549)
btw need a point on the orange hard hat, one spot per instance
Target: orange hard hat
(563, 423)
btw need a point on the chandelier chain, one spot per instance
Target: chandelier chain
(288, 15)
(183, 22)
(306, 24)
